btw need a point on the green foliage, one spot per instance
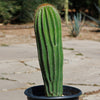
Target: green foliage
(49, 45)
(28, 9)
(7, 10)
(22, 11)
(76, 25)
(94, 19)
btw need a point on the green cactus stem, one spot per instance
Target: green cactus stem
(49, 46)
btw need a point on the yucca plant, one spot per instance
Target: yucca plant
(49, 45)
(76, 24)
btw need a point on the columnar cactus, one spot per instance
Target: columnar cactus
(49, 45)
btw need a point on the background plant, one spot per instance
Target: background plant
(22, 8)
(8, 10)
(66, 10)
(97, 21)
(76, 24)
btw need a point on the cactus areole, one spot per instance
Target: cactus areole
(49, 46)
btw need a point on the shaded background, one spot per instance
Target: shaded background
(21, 11)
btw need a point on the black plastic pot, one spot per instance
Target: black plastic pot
(37, 93)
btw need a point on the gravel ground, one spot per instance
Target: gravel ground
(19, 34)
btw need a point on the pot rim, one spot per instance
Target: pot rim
(30, 95)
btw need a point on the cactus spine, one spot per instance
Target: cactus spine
(49, 45)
